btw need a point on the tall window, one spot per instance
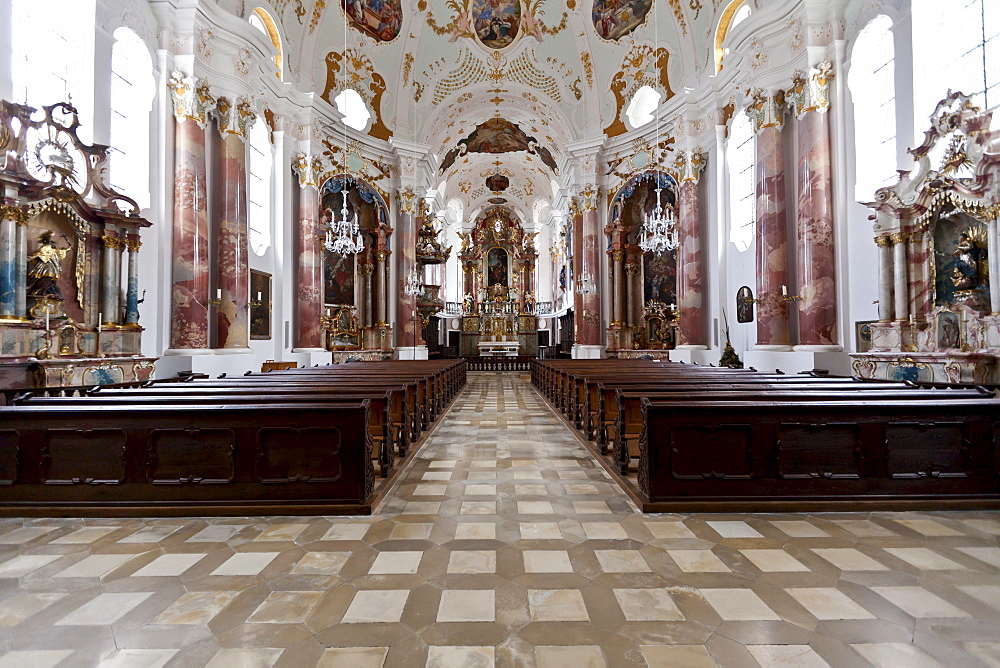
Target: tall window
(52, 55)
(352, 106)
(956, 46)
(742, 188)
(131, 100)
(262, 21)
(642, 107)
(872, 84)
(735, 13)
(259, 188)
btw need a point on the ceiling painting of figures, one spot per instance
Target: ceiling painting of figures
(381, 19)
(496, 22)
(498, 135)
(616, 18)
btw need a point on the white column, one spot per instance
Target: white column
(901, 284)
(994, 261)
(885, 278)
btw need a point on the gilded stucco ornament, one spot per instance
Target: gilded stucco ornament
(234, 119)
(690, 165)
(408, 201)
(308, 170)
(766, 111)
(191, 96)
(810, 92)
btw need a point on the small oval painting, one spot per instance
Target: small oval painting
(496, 22)
(616, 18)
(381, 19)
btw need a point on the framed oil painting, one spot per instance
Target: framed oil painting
(260, 305)
(863, 335)
(497, 267)
(744, 304)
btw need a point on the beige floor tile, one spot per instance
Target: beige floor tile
(647, 605)
(891, 655)
(376, 606)
(422, 508)
(245, 563)
(669, 530)
(153, 534)
(168, 565)
(864, 528)
(85, 535)
(698, 561)
(547, 561)
(986, 526)
(738, 605)
(557, 605)
(988, 594)
(436, 476)
(918, 602)
(105, 609)
(573, 656)
(43, 658)
(923, 558)
(540, 531)
(411, 531)
(802, 656)
(472, 562)
(396, 563)
(23, 564)
(285, 607)
(216, 533)
(476, 531)
(799, 529)
(346, 532)
(460, 657)
(463, 605)
(22, 535)
(622, 561)
(480, 490)
(94, 566)
(929, 527)
(431, 490)
(591, 508)
(321, 563)
(674, 656)
(479, 508)
(734, 529)
(198, 607)
(353, 657)
(530, 490)
(147, 658)
(580, 489)
(604, 530)
(774, 561)
(534, 508)
(19, 607)
(987, 555)
(263, 657)
(825, 603)
(987, 652)
(849, 559)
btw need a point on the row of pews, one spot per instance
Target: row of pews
(295, 441)
(689, 437)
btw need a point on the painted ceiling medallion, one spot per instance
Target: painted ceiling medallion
(496, 23)
(498, 135)
(614, 19)
(381, 19)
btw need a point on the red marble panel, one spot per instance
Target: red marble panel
(772, 240)
(310, 270)
(689, 287)
(232, 264)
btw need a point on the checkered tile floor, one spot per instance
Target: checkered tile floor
(504, 544)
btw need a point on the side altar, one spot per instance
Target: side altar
(69, 245)
(939, 254)
(498, 259)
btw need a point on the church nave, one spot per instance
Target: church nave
(505, 544)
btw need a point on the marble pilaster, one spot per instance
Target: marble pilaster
(310, 263)
(9, 260)
(381, 281)
(190, 259)
(886, 310)
(408, 324)
(132, 243)
(590, 236)
(993, 256)
(21, 267)
(771, 237)
(691, 319)
(111, 248)
(232, 268)
(900, 263)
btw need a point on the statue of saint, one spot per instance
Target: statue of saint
(44, 268)
(965, 266)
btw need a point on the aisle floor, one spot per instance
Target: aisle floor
(505, 543)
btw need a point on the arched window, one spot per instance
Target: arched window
(262, 21)
(132, 90)
(957, 47)
(52, 55)
(352, 106)
(872, 84)
(742, 188)
(259, 188)
(734, 14)
(642, 107)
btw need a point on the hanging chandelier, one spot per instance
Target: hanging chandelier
(659, 232)
(343, 236)
(412, 285)
(586, 285)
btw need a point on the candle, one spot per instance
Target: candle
(218, 293)
(46, 321)
(258, 296)
(784, 290)
(913, 319)
(100, 319)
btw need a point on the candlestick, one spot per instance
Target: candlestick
(46, 321)
(784, 290)
(913, 319)
(218, 293)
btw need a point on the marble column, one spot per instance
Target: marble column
(690, 319)
(406, 305)
(576, 265)
(232, 264)
(365, 297)
(21, 268)
(310, 259)
(381, 281)
(814, 228)
(189, 293)
(618, 294)
(886, 310)
(132, 243)
(591, 302)
(772, 237)
(921, 282)
(901, 292)
(993, 249)
(110, 278)
(9, 214)
(633, 292)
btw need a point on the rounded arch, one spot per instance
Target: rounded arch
(734, 13)
(269, 27)
(665, 180)
(335, 184)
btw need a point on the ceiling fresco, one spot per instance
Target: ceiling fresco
(558, 70)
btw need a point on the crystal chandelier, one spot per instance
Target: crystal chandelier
(412, 285)
(586, 284)
(343, 236)
(659, 233)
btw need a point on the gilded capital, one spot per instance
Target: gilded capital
(810, 92)
(113, 242)
(15, 213)
(899, 237)
(133, 245)
(408, 201)
(382, 254)
(234, 119)
(883, 241)
(588, 198)
(766, 111)
(690, 165)
(308, 170)
(192, 98)
(618, 255)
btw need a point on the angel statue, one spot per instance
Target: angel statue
(44, 268)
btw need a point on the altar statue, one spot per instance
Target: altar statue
(469, 304)
(45, 267)
(965, 267)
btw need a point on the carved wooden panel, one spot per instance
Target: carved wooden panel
(9, 456)
(828, 450)
(200, 456)
(715, 451)
(298, 455)
(83, 456)
(926, 449)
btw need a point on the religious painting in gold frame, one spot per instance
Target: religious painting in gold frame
(498, 267)
(260, 305)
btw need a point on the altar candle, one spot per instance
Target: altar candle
(218, 293)
(46, 321)
(913, 319)
(784, 290)
(258, 296)
(100, 319)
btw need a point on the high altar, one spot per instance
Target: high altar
(65, 316)
(498, 262)
(936, 230)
